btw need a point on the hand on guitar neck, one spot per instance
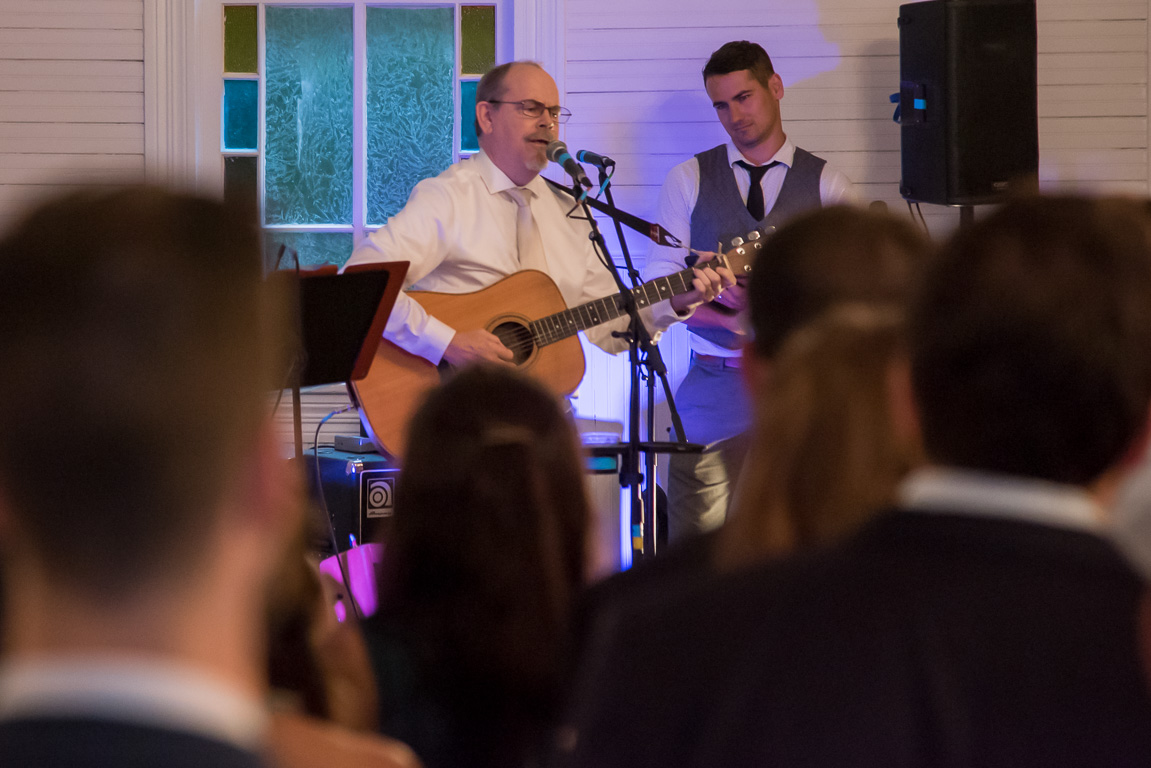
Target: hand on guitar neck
(475, 346)
(707, 284)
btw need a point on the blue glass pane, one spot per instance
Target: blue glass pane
(468, 140)
(410, 102)
(308, 116)
(241, 114)
(313, 248)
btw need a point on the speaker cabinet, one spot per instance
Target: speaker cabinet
(969, 121)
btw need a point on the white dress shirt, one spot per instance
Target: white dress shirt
(459, 233)
(677, 199)
(162, 694)
(989, 494)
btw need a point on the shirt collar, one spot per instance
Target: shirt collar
(497, 181)
(987, 494)
(159, 693)
(785, 155)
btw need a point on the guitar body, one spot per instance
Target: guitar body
(398, 380)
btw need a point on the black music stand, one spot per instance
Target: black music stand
(339, 322)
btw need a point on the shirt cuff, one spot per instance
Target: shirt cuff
(433, 340)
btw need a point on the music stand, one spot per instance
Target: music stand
(339, 323)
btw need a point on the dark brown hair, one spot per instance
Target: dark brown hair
(1031, 341)
(134, 329)
(488, 547)
(827, 257)
(739, 55)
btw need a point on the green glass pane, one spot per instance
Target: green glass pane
(308, 115)
(410, 102)
(468, 140)
(477, 39)
(241, 114)
(241, 53)
(313, 248)
(240, 182)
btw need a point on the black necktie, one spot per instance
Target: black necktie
(755, 191)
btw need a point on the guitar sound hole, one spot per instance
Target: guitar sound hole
(517, 338)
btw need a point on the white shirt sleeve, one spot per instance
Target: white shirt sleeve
(677, 198)
(416, 236)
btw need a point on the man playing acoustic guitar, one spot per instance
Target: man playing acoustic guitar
(755, 181)
(491, 215)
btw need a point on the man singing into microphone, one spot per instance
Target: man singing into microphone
(491, 215)
(755, 181)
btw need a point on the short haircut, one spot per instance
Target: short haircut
(1031, 340)
(828, 257)
(133, 335)
(739, 55)
(492, 85)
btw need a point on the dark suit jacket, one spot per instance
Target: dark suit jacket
(925, 640)
(86, 743)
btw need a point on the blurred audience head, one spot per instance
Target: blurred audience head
(137, 342)
(489, 544)
(1030, 342)
(825, 454)
(830, 256)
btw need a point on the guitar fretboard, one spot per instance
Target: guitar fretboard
(561, 325)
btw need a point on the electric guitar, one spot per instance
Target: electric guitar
(527, 313)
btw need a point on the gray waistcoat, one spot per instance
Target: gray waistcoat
(721, 214)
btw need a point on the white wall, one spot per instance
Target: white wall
(632, 80)
(71, 96)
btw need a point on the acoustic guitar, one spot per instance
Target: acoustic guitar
(527, 313)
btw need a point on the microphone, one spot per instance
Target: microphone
(591, 158)
(558, 153)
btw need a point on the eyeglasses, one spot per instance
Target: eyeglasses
(532, 108)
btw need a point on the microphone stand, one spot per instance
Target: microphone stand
(644, 353)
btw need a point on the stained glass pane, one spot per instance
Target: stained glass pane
(410, 102)
(468, 140)
(240, 49)
(477, 39)
(308, 115)
(314, 248)
(240, 181)
(241, 114)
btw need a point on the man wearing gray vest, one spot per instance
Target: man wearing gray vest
(755, 181)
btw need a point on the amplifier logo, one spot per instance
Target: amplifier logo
(380, 495)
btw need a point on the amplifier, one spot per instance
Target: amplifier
(359, 490)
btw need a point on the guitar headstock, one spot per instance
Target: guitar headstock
(743, 252)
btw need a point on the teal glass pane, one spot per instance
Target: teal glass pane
(468, 140)
(410, 102)
(308, 116)
(240, 51)
(314, 248)
(241, 114)
(240, 182)
(477, 39)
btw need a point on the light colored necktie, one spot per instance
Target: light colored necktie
(529, 244)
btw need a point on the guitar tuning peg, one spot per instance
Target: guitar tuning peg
(736, 242)
(753, 235)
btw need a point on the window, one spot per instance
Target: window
(330, 113)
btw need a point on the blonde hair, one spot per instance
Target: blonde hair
(824, 455)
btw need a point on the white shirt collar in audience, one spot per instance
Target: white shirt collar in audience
(987, 494)
(150, 692)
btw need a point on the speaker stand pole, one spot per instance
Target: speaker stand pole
(966, 216)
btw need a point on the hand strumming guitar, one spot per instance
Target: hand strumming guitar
(475, 346)
(707, 285)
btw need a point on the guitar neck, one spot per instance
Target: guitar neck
(561, 325)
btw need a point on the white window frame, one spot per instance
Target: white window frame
(183, 82)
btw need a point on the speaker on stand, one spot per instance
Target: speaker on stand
(968, 115)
